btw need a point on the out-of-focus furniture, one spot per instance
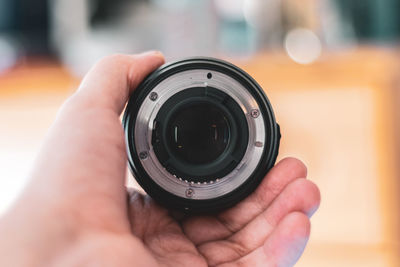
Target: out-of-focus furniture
(341, 117)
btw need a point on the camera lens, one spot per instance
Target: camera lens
(201, 135)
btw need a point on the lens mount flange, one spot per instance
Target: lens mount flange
(212, 193)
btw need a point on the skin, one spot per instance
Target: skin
(76, 210)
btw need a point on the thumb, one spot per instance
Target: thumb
(85, 146)
(109, 83)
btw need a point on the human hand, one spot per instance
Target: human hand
(75, 210)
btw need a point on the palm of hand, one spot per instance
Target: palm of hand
(245, 235)
(269, 228)
(91, 221)
(257, 232)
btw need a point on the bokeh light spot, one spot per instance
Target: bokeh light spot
(303, 46)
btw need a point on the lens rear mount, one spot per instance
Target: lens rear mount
(201, 135)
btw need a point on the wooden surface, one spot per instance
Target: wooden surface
(337, 115)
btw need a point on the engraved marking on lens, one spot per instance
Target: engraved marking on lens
(259, 144)
(189, 192)
(153, 96)
(143, 155)
(255, 113)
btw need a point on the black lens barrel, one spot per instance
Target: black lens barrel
(224, 132)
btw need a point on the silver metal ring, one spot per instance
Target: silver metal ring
(184, 80)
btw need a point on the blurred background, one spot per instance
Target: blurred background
(331, 69)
